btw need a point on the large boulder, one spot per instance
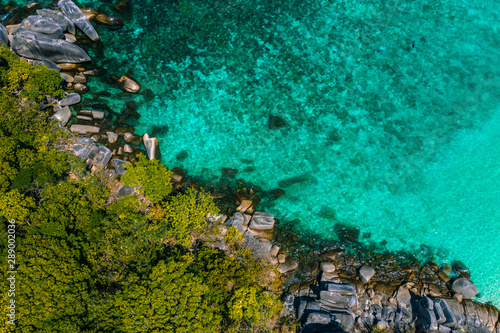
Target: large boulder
(449, 316)
(60, 17)
(71, 10)
(46, 26)
(36, 46)
(426, 318)
(464, 287)
(4, 35)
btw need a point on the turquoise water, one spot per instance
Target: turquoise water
(391, 112)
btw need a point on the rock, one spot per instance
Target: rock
(82, 148)
(446, 268)
(71, 99)
(102, 159)
(128, 84)
(98, 115)
(74, 13)
(125, 190)
(66, 77)
(426, 319)
(112, 137)
(450, 319)
(80, 78)
(458, 297)
(443, 276)
(84, 129)
(276, 122)
(318, 318)
(69, 66)
(60, 17)
(81, 88)
(274, 250)
(70, 38)
(245, 206)
(275, 194)
(294, 180)
(345, 319)
(346, 233)
(262, 220)
(111, 22)
(128, 149)
(178, 175)
(118, 165)
(31, 6)
(464, 287)
(339, 288)
(281, 258)
(4, 35)
(327, 267)
(96, 138)
(84, 118)
(36, 46)
(151, 145)
(62, 116)
(333, 255)
(336, 300)
(289, 265)
(462, 270)
(45, 26)
(90, 13)
(366, 273)
(128, 137)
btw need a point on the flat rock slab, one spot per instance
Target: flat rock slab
(289, 265)
(84, 129)
(32, 45)
(339, 288)
(4, 35)
(60, 17)
(337, 300)
(71, 10)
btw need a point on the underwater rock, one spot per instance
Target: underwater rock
(90, 13)
(276, 122)
(4, 35)
(81, 88)
(128, 84)
(229, 172)
(287, 182)
(443, 276)
(45, 26)
(346, 233)
(182, 155)
(245, 207)
(122, 7)
(177, 175)
(462, 270)
(275, 194)
(74, 13)
(464, 287)
(36, 46)
(111, 22)
(60, 17)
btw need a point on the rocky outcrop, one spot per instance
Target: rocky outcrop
(4, 35)
(71, 10)
(60, 17)
(36, 46)
(45, 26)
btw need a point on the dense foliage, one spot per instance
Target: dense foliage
(85, 264)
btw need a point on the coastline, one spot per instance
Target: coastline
(397, 288)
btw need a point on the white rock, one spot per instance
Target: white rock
(112, 137)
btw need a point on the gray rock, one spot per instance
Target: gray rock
(46, 26)
(71, 99)
(451, 320)
(92, 153)
(36, 46)
(51, 65)
(261, 221)
(345, 319)
(60, 17)
(318, 318)
(62, 116)
(4, 35)
(426, 319)
(443, 329)
(464, 287)
(288, 308)
(125, 190)
(84, 129)
(327, 267)
(366, 273)
(98, 115)
(102, 159)
(339, 288)
(118, 164)
(83, 147)
(336, 300)
(274, 250)
(438, 311)
(74, 13)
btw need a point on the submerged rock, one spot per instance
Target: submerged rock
(36, 46)
(276, 122)
(111, 22)
(346, 233)
(128, 84)
(74, 13)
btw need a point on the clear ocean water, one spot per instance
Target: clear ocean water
(390, 111)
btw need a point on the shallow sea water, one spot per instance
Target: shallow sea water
(391, 111)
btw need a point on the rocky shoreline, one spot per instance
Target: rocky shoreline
(329, 291)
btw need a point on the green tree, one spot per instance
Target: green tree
(151, 176)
